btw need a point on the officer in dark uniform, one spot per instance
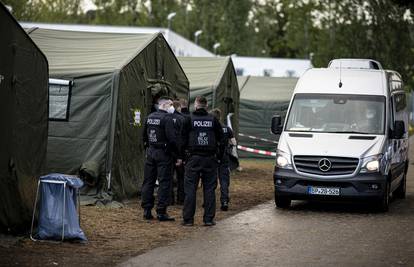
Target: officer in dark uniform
(224, 168)
(160, 139)
(185, 113)
(184, 107)
(178, 119)
(205, 147)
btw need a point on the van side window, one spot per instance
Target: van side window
(391, 106)
(399, 103)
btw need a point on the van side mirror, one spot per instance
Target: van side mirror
(399, 130)
(276, 127)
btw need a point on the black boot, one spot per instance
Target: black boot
(164, 217)
(224, 206)
(148, 215)
(209, 223)
(188, 223)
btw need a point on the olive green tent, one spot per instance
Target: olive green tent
(214, 78)
(23, 135)
(260, 99)
(112, 80)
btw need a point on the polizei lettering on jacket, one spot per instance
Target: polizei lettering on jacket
(203, 123)
(154, 121)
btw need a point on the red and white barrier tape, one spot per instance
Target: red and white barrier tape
(258, 138)
(256, 151)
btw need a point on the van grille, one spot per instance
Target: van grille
(339, 165)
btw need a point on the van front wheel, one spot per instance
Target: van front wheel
(384, 203)
(282, 202)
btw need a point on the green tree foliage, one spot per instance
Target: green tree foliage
(269, 21)
(63, 11)
(316, 29)
(220, 20)
(327, 29)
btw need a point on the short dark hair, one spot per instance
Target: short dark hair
(183, 103)
(163, 98)
(176, 104)
(201, 100)
(216, 112)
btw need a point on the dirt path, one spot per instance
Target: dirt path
(309, 234)
(118, 234)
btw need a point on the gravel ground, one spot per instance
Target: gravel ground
(308, 234)
(118, 234)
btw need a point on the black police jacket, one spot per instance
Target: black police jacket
(212, 135)
(179, 120)
(159, 131)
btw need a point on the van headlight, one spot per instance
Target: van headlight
(371, 164)
(283, 160)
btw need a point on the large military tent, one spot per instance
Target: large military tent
(97, 116)
(260, 99)
(214, 78)
(23, 109)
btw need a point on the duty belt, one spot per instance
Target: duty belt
(206, 153)
(158, 145)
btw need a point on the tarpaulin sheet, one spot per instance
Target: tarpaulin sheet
(112, 75)
(23, 120)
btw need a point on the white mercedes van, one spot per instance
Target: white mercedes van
(345, 136)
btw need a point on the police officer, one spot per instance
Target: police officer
(160, 140)
(184, 107)
(205, 146)
(185, 113)
(224, 168)
(178, 119)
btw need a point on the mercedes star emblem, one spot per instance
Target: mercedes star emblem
(325, 165)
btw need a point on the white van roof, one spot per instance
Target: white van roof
(355, 63)
(354, 81)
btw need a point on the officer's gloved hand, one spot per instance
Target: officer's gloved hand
(179, 162)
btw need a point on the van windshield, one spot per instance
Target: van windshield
(337, 114)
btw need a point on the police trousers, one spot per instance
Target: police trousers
(204, 167)
(158, 164)
(179, 175)
(224, 178)
(179, 170)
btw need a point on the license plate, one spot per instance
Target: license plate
(325, 191)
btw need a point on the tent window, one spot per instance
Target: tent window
(59, 99)
(290, 73)
(268, 72)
